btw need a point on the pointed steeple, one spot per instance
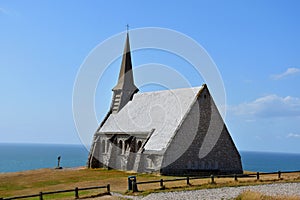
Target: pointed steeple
(125, 81)
(125, 88)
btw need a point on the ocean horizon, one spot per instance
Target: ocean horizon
(21, 157)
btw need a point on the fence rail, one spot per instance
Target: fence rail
(133, 183)
(42, 194)
(212, 177)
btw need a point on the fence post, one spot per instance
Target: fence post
(76, 193)
(188, 180)
(161, 183)
(279, 174)
(108, 188)
(257, 176)
(134, 186)
(212, 178)
(235, 177)
(41, 195)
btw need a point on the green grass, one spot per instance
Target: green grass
(35, 181)
(67, 195)
(45, 180)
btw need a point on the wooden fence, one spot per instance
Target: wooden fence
(161, 183)
(211, 177)
(76, 192)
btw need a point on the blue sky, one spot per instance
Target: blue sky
(255, 45)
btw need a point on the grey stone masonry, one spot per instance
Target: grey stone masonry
(174, 132)
(199, 144)
(222, 156)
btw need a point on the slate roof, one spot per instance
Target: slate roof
(162, 111)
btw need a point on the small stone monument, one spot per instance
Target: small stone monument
(58, 163)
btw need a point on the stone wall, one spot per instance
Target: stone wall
(211, 150)
(200, 145)
(118, 150)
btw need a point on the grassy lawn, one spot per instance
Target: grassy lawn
(35, 181)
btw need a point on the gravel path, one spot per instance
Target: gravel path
(286, 189)
(229, 192)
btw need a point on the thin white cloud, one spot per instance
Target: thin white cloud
(3, 11)
(269, 106)
(293, 135)
(288, 72)
(258, 137)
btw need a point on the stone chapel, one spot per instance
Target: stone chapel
(163, 131)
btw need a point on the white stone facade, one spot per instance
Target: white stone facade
(172, 148)
(175, 132)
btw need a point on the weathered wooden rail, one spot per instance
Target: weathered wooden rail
(75, 190)
(211, 177)
(132, 184)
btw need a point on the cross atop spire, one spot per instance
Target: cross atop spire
(127, 27)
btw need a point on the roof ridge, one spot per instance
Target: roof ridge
(176, 89)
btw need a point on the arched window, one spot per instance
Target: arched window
(133, 147)
(120, 145)
(103, 146)
(126, 145)
(107, 143)
(139, 145)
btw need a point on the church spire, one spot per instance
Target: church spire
(125, 88)
(125, 80)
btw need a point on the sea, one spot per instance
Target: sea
(21, 157)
